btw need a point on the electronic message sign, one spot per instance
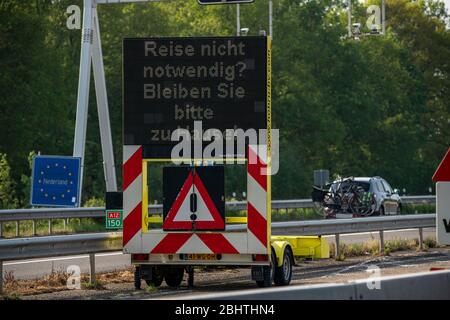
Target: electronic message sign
(171, 83)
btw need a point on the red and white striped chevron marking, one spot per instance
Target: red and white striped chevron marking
(257, 199)
(132, 198)
(200, 242)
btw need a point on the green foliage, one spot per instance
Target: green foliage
(7, 193)
(418, 208)
(89, 225)
(96, 285)
(74, 226)
(94, 202)
(379, 106)
(400, 245)
(372, 247)
(150, 288)
(430, 243)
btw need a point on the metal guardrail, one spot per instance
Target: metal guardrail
(343, 226)
(39, 247)
(94, 212)
(54, 246)
(337, 227)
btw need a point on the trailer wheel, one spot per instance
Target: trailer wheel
(137, 278)
(157, 277)
(268, 273)
(283, 274)
(174, 276)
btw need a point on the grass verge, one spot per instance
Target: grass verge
(372, 247)
(96, 285)
(57, 281)
(75, 225)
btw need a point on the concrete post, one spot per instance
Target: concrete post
(17, 228)
(50, 231)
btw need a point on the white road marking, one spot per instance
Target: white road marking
(118, 253)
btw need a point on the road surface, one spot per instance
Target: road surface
(114, 261)
(211, 281)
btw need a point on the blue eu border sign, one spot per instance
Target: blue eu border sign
(55, 181)
(223, 1)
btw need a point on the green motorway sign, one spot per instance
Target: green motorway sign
(114, 219)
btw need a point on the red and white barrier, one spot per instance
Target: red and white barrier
(254, 241)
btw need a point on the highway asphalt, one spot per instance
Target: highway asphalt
(308, 272)
(106, 262)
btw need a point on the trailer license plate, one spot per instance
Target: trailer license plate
(205, 256)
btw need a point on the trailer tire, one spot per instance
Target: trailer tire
(157, 277)
(137, 278)
(174, 276)
(283, 274)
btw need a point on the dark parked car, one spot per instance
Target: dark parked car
(357, 196)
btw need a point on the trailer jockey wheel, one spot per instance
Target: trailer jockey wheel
(137, 278)
(283, 274)
(156, 278)
(190, 272)
(268, 273)
(174, 275)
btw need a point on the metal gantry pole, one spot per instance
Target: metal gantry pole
(271, 19)
(102, 106)
(83, 87)
(238, 20)
(383, 17)
(349, 17)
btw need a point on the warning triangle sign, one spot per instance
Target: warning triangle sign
(193, 208)
(443, 170)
